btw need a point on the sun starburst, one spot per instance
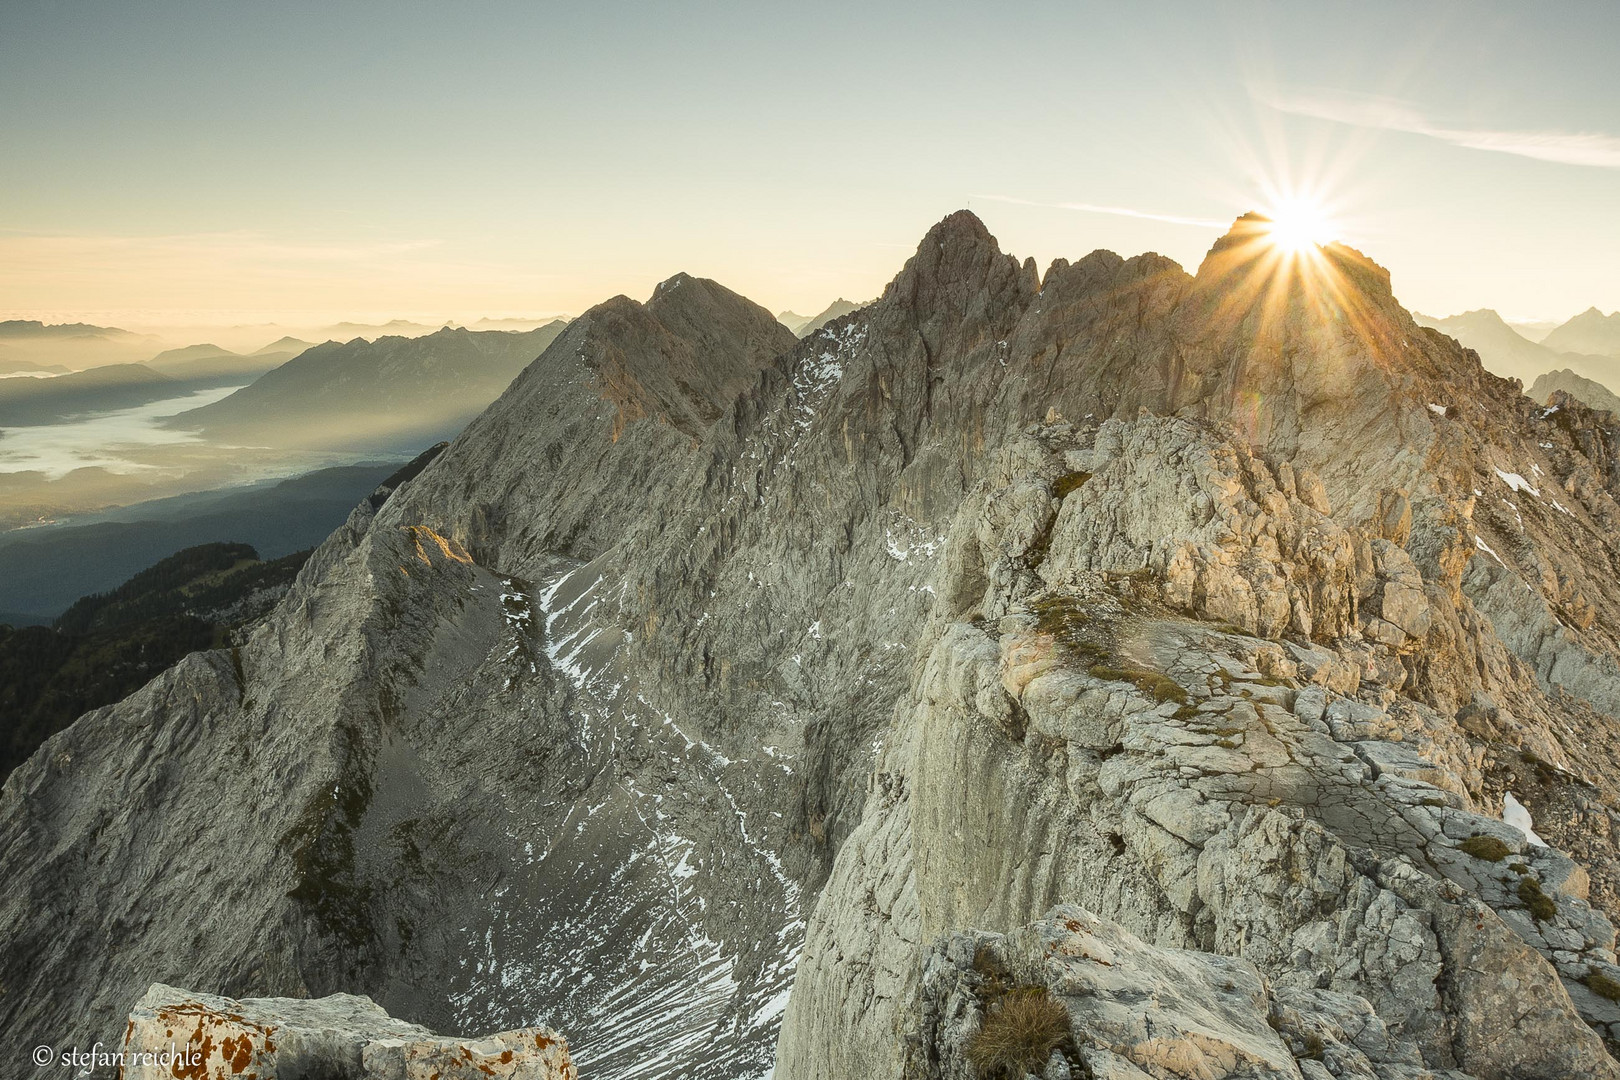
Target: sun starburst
(1299, 225)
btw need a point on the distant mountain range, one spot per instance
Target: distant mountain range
(30, 345)
(805, 325)
(25, 401)
(34, 330)
(220, 366)
(1507, 352)
(394, 392)
(1589, 332)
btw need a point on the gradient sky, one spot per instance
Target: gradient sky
(234, 161)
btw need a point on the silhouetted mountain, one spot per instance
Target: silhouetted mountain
(33, 330)
(344, 331)
(33, 345)
(394, 392)
(290, 345)
(835, 310)
(1590, 332)
(1505, 351)
(1501, 348)
(27, 401)
(210, 365)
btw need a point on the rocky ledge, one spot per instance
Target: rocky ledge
(342, 1037)
(1090, 999)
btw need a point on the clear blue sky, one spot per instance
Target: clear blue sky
(462, 159)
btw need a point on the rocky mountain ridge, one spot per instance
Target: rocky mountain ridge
(1589, 393)
(713, 698)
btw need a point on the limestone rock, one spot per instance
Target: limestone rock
(340, 1035)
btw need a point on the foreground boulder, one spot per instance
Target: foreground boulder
(177, 1033)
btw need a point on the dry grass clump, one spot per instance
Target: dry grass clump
(1019, 1033)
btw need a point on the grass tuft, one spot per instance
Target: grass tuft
(1019, 1034)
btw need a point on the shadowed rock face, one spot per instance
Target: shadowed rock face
(706, 665)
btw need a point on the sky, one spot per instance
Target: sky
(223, 161)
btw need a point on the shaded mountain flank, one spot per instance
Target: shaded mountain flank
(373, 395)
(107, 645)
(1178, 661)
(27, 401)
(46, 569)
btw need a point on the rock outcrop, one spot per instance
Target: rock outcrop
(712, 692)
(175, 1033)
(1588, 392)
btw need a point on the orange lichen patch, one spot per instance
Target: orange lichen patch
(499, 1057)
(447, 547)
(220, 1044)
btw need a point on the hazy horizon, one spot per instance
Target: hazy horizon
(502, 158)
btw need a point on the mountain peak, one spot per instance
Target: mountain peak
(963, 224)
(684, 354)
(957, 259)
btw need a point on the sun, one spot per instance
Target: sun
(1300, 226)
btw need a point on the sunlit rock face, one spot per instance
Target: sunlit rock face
(712, 683)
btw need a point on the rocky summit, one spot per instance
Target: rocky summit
(1113, 671)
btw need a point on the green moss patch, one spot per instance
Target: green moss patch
(1540, 904)
(1488, 848)
(1603, 986)
(1161, 687)
(1068, 482)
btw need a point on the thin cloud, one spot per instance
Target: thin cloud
(1117, 211)
(1388, 114)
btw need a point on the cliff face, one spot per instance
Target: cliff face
(706, 666)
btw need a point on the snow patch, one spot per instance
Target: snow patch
(1517, 482)
(1516, 815)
